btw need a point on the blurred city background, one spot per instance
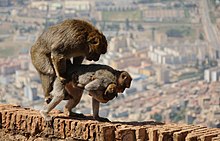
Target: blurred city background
(170, 47)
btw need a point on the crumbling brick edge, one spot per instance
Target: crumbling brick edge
(17, 123)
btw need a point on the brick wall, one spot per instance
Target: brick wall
(17, 123)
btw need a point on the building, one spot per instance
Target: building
(30, 93)
(212, 74)
(170, 56)
(77, 5)
(163, 75)
(4, 3)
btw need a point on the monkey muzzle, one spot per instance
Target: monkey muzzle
(93, 57)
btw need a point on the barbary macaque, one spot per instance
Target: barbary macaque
(72, 38)
(101, 82)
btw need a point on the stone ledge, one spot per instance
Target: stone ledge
(17, 123)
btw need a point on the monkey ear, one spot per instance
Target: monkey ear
(124, 75)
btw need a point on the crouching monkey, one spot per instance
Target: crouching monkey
(101, 82)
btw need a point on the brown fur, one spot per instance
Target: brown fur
(59, 43)
(101, 82)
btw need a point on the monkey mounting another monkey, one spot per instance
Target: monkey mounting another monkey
(101, 82)
(75, 39)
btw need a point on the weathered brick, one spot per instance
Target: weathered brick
(24, 122)
(104, 132)
(166, 134)
(181, 135)
(216, 138)
(68, 127)
(152, 133)
(79, 130)
(59, 127)
(35, 126)
(194, 136)
(8, 120)
(208, 137)
(13, 122)
(125, 135)
(0, 120)
(3, 118)
(141, 133)
(17, 123)
(92, 131)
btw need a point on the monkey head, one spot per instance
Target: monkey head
(110, 92)
(124, 81)
(97, 44)
(103, 97)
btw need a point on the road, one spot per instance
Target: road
(209, 28)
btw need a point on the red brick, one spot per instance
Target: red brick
(125, 135)
(152, 133)
(59, 127)
(208, 137)
(0, 120)
(216, 138)
(17, 123)
(102, 131)
(166, 134)
(181, 135)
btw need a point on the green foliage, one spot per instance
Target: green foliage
(179, 32)
(157, 117)
(212, 17)
(201, 37)
(177, 116)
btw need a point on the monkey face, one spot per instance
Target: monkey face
(97, 45)
(110, 92)
(124, 81)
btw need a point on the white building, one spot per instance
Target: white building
(207, 75)
(212, 74)
(170, 56)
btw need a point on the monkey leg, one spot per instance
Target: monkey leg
(47, 84)
(95, 108)
(76, 94)
(69, 106)
(58, 96)
(42, 62)
(59, 62)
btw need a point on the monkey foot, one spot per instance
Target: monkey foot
(72, 114)
(77, 115)
(45, 116)
(101, 119)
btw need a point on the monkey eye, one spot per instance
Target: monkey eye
(94, 41)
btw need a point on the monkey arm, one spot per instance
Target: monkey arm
(95, 109)
(94, 85)
(59, 63)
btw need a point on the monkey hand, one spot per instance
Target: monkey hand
(63, 80)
